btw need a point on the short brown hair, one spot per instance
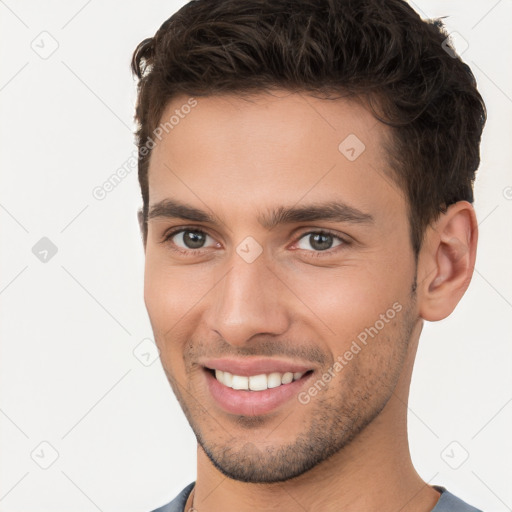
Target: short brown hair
(379, 50)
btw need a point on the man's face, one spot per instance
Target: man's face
(300, 295)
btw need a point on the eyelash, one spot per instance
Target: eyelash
(312, 254)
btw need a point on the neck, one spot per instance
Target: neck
(373, 472)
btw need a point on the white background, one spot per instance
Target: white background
(69, 326)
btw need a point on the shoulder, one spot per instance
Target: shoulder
(178, 503)
(448, 502)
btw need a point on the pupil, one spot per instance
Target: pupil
(319, 245)
(193, 239)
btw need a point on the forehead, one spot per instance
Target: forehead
(281, 146)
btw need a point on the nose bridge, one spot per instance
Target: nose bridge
(247, 301)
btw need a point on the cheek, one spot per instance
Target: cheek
(168, 290)
(350, 297)
(165, 306)
(362, 311)
(159, 296)
(166, 299)
(174, 298)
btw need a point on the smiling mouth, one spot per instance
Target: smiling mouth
(260, 382)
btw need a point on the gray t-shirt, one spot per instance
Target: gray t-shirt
(446, 503)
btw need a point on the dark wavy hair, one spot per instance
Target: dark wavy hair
(380, 51)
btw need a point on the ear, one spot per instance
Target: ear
(446, 261)
(140, 217)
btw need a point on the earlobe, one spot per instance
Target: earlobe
(446, 261)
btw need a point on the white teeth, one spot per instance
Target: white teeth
(287, 378)
(227, 379)
(256, 382)
(240, 382)
(274, 380)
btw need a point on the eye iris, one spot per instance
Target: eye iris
(193, 239)
(314, 238)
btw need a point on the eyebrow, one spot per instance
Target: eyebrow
(329, 211)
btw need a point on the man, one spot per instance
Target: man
(306, 171)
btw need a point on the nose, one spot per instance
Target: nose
(250, 300)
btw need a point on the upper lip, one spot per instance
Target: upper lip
(254, 366)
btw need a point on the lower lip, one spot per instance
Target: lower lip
(253, 403)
